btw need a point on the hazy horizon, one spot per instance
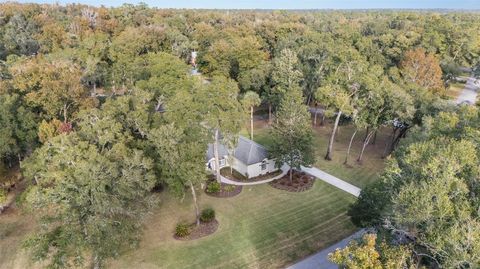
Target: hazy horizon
(283, 4)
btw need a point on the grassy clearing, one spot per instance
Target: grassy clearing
(358, 174)
(454, 90)
(260, 228)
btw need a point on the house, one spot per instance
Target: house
(249, 158)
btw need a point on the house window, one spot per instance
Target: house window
(263, 166)
(221, 162)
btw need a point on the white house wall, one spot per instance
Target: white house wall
(252, 170)
(256, 169)
(240, 167)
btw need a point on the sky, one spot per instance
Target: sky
(284, 4)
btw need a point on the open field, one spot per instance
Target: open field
(355, 173)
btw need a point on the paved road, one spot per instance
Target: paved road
(469, 93)
(320, 259)
(332, 180)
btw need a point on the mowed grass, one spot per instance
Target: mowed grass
(261, 228)
(357, 173)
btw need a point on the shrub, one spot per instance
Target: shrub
(182, 230)
(213, 187)
(207, 215)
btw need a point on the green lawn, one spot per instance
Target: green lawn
(358, 174)
(261, 228)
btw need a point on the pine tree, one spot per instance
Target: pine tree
(291, 131)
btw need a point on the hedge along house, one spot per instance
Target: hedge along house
(249, 158)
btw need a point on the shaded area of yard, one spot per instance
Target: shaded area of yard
(261, 228)
(14, 228)
(355, 173)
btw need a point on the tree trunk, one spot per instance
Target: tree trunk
(401, 134)
(251, 123)
(195, 203)
(217, 161)
(349, 147)
(96, 264)
(366, 133)
(365, 143)
(328, 156)
(322, 123)
(291, 175)
(374, 137)
(269, 113)
(65, 113)
(315, 117)
(386, 151)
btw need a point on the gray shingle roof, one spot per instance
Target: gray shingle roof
(247, 151)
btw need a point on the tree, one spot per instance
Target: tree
(180, 144)
(223, 112)
(423, 69)
(367, 254)
(291, 132)
(90, 199)
(48, 130)
(52, 86)
(315, 59)
(181, 160)
(285, 74)
(251, 99)
(425, 196)
(342, 85)
(19, 127)
(163, 75)
(19, 35)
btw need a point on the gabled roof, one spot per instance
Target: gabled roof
(247, 151)
(222, 151)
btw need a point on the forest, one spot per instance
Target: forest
(102, 116)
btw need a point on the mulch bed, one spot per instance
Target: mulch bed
(226, 190)
(204, 229)
(301, 181)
